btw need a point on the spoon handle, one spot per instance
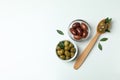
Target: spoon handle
(85, 53)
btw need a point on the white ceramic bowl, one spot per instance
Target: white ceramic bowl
(75, 54)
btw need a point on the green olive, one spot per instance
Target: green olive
(73, 49)
(67, 53)
(67, 57)
(62, 57)
(71, 45)
(72, 54)
(103, 26)
(60, 52)
(67, 48)
(102, 23)
(58, 48)
(66, 43)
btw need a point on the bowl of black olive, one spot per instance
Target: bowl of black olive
(79, 30)
(66, 50)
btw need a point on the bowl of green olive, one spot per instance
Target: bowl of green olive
(66, 50)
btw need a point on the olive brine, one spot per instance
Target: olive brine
(65, 50)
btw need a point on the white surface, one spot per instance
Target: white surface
(28, 39)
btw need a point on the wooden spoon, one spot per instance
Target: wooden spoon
(102, 26)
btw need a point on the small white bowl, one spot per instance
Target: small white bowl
(78, 21)
(75, 54)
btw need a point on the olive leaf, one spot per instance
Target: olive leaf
(60, 32)
(107, 30)
(108, 20)
(61, 45)
(104, 39)
(100, 46)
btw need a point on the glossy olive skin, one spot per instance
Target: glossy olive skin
(62, 57)
(66, 43)
(103, 26)
(77, 37)
(73, 31)
(84, 26)
(79, 31)
(72, 54)
(85, 33)
(77, 24)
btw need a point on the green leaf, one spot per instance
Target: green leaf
(100, 46)
(61, 45)
(108, 20)
(107, 30)
(104, 39)
(60, 32)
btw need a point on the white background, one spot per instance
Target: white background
(28, 39)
